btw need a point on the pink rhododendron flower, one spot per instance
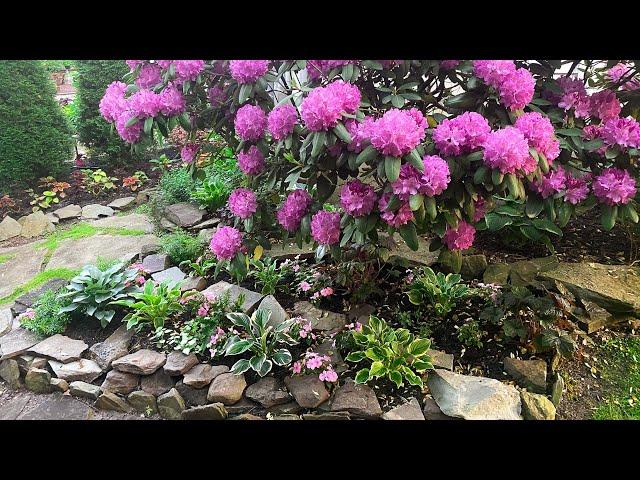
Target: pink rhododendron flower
(480, 209)
(251, 162)
(493, 72)
(540, 134)
(318, 68)
(462, 134)
(150, 75)
(357, 199)
(325, 227)
(407, 183)
(449, 64)
(281, 121)
(516, 89)
(461, 238)
(226, 243)
(188, 70)
(550, 184)
(620, 71)
(172, 101)
(129, 134)
(188, 152)
(620, 131)
(507, 150)
(248, 71)
(401, 216)
(576, 190)
(398, 132)
(133, 64)
(323, 107)
(360, 133)
(250, 123)
(614, 187)
(216, 96)
(113, 102)
(293, 209)
(574, 95)
(436, 176)
(242, 203)
(604, 105)
(144, 103)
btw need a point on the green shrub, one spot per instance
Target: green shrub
(47, 319)
(153, 306)
(35, 138)
(441, 291)
(93, 78)
(176, 186)
(181, 247)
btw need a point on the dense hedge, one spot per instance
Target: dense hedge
(94, 132)
(35, 139)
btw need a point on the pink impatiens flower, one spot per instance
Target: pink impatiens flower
(326, 292)
(305, 286)
(329, 375)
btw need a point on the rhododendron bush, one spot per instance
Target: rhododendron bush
(414, 147)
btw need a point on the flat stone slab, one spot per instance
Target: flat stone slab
(14, 407)
(156, 262)
(178, 363)
(227, 388)
(9, 228)
(441, 359)
(408, 411)
(320, 319)
(214, 411)
(120, 382)
(268, 391)
(76, 253)
(474, 398)
(142, 362)
(83, 370)
(183, 214)
(17, 341)
(358, 400)
(530, 374)
(23, 264)
(170, 275)
(115, 346)
(111, 401)
(70, 211)
(308, 390)
(85, 390)
(35, 224)
(95, 211)
(132, 221)
(122, 203)
(613, 287)
(251, 299)
(60, 348)
(60, 407)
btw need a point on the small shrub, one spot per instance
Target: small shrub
(175, 186)
(212, 193)
(470, 334)
(181, 247)
(46, 318)
(441, 291)
(269, 275)
(153, 306)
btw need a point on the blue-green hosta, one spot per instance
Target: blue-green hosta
(393, 353)
(264, 341)
(93, 290)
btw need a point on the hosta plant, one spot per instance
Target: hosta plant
(392, 353)
(439, 290)
(153, 306)
(97, 181)
(92, 291)
(265, 343)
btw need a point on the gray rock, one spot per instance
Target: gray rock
(84, 370)
(251, 299)
(202, 375)
(320, 319)
(214, 411)
(206, 224)
(143, 402)
(360, 313)
(556, 389)
(24, 363)
(308, 390)
(10, 372)
(60, 348)
(120, 382)
(244, 405)
(178, 363)
(59, 385)
(9, 228)
(12, 409)
(278, 314)
(431, 410)
(114, 347)
(358, 400)
(59, 407)
(227, 388)
(38, 362)
(85, 390)
(193, 397)
(142, 362)
(22, 264)
(6, 320)
(167, 225)
(122, 203)
(530, 374)
(171, 405)
(38, 380)
(537, 407)
(193, 283)
(52, 218)
(183, 214)
(17, 341)
(95, 211)
(206, 234)
(327, 348)
(157, 384)
(473, 266)
(131, 221)
(286, 408)
(111, 401)
(474, 398)
(27, 300)
(496, 273)
(408, 411)
(247, 416)
(327, 416)
(156, 262)
(36, 224)
(70, 211)
(171, 275)
(441, 359)
(268, 391)
(286, 417)
(149, 249)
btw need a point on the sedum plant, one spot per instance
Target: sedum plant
(392, 353)
(440, 290)
(92, 291)
(153, 305)
(265, 342)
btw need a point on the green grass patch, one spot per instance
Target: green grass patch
(83, 230)
(39, 280)
(621, 372)
(5, 258)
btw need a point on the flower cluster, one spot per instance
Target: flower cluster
(574, 95)
(325, 227)
(576, 189)
(251, 161)
(216, 96)
(619, 131)
(149, 76)
(172, 101)
(312, 362)
(614, 187)
(357, 199)
(539, 132)
(318, 68)
(250, 123)
(553, 182)
(493, 72)
(515, 86)
(188, 152)
(449, 64)
(242, 203)
(604, 105)
(132, 133)
(431, 182)
(304, 327)
(462, 134)
(113, 102)
(620, 71)
(398, 132)
(460, 238)
(248, 71)
(397, 218)
(479, 209)
(360, 133)
(188, 70)
(507, 150)
(324, 106)
(293, 209)
(226, 242)
(281, 121)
